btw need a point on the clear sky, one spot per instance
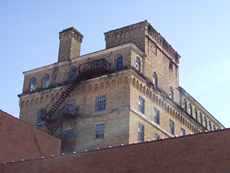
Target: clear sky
(198, 30)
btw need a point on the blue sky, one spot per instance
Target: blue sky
(198, 30)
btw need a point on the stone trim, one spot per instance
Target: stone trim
(90, 55)
(162, 102)
(151, 122)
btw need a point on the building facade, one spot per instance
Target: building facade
(129, 92)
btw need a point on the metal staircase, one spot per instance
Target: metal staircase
(54, 120)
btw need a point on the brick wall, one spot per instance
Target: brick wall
(20, 140)
(203, 153)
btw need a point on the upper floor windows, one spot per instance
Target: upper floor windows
(141, 105)
(183, 132)
(214, 127)
(40, 118)
(119, 63)
(201, 118)
(210, 125)
(196, 114)
(100, 131)
(185, 106)
(190, 109)
(172, 127)
(138, 64)
(100, 104)
(33, 84)
(156, 116)
(205, 122)
(157, 136)
(141, 132)
(155, 79)
(171, 66)
(45, 81)
(72, 73)
(171, 93)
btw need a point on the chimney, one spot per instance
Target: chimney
(70, 44)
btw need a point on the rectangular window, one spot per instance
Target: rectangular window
(141, 105)
(141, 133)
(157, 136)
(210, 125)
(201, 118)
(205, 122)
(172, 127)
(156, 116)
(100, 129)
(183, 132)
(100, 103)
(138, 64)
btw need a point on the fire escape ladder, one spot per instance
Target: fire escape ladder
(61, 99)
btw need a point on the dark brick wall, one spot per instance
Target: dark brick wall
(20, 140)
(201, 153)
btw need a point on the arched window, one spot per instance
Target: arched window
(33, 84)
(119, 63)
(72, 73)
(171, 93)
(138, 64)
(155, 80)
(46, 81)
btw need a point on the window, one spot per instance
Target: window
(190, 109)
(141, 133)
(171, 93)
(205, 122)
(100, 130)
(72, 73)
(183, 132)
(138, 64)
(214, 127)
(45, 81)
(185, 105)
(156, 116)
(119, 63)
(157, 136)
(41, 118)
(210, 125)
(155, 79)
(68, 139)
(100, 103)
(141, 105)
(196, 114)
(172, 127)
(201, 118)
(171, 66)
(33, 84)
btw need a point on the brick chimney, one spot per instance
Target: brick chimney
(70, 44)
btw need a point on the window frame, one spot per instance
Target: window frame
(46, 81)
(100, 131)
(100, 103)
(156, 116)
(141, 133)
(33, 82)
(119, 62)
(172, 127)
(138, 64)
(141, 104)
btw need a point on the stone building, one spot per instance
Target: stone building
(128, 92)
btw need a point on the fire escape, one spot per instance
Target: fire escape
(55, 113)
